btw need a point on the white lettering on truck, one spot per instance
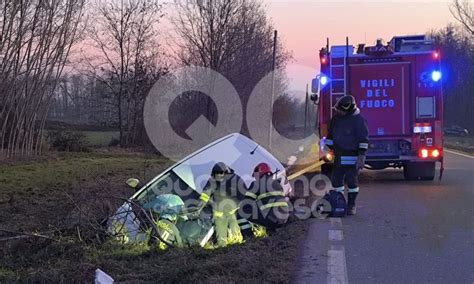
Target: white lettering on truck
(377, 94)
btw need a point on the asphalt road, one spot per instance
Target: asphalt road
(404, 232)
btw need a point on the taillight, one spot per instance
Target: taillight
(423, 153)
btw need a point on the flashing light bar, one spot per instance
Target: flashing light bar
(422, 129)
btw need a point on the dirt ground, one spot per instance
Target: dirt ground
(51, 208)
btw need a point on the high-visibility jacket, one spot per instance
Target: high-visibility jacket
(348, 137)
(169, 233)
(224, 196)
(268, 196)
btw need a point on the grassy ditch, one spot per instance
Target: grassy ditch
(42, 197)
(465, 144)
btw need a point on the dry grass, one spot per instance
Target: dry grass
(465, 144)
(42, 196)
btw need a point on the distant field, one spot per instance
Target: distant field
(100, 138)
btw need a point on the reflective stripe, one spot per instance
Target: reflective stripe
(204, 197)
(218, 214)
(240, 221)
(329, 142)
(165, 236)
(349, 158)
(274, 204)
(339, 189)
(354, 189)
(251, 195)
(273, 193)
(364, 145)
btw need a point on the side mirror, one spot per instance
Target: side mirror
(315, 85)
(133, 183)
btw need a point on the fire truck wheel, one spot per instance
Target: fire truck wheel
(419, 170)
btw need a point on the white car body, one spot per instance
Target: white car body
(235, 150)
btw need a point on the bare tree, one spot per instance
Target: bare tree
(35, 40)
(124, 36)
(463, 12)
(233, 37)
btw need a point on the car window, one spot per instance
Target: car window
(169, 183)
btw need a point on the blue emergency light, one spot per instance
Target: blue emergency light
(436, 75)
(324, 80)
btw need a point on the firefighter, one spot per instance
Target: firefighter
(168, 207)
(348, 138)
(268, 198)
(222, 191)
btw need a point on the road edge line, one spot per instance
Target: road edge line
(459, 153)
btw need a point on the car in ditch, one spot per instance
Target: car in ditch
(134, 220)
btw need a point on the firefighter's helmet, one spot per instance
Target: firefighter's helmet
(221, 168)
(262, 169)
(346, 104)
(168, 206)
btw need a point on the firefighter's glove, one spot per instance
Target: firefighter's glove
(360, 162)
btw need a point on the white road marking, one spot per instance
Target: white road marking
(335, 235)
(337, 270)
(459, 154)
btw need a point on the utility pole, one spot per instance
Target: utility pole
(306, 110)
(273, 91)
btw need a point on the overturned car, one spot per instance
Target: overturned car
(166, 210)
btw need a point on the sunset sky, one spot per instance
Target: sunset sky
(304, 25)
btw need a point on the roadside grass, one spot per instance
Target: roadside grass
(465, 144)
(38, 197)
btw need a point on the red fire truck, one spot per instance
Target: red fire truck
(398, 89)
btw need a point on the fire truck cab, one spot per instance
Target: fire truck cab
(398, 89)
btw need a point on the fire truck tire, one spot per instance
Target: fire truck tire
(419, 170)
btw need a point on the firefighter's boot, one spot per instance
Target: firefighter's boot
(351, 206)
